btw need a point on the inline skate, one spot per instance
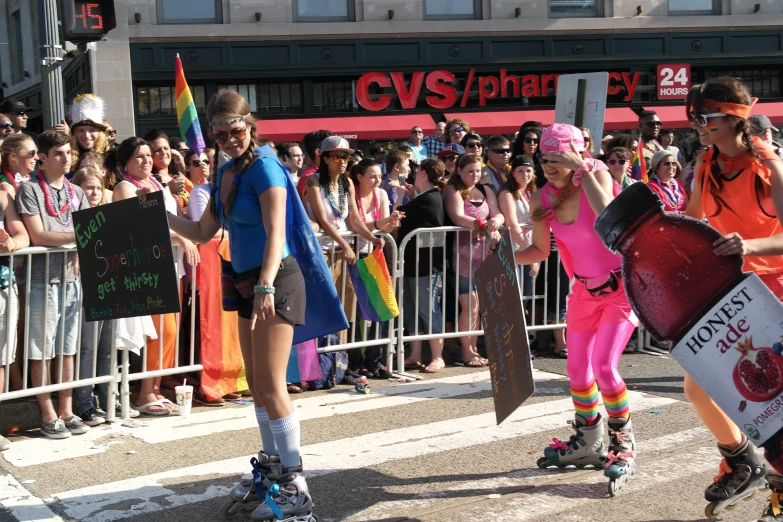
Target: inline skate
(244, 498)
(774, 510)
(620, 463)
(741, 473)
(287, 499)
(584, 448)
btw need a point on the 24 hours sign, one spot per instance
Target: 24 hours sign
(673, 81)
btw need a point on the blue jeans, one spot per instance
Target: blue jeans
(83, 394)
(425, 303)
(44, 340)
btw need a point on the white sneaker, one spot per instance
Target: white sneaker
(55, 430)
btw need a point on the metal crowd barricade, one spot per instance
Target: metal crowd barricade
(431, 239)
(383, 332)
(19, 381)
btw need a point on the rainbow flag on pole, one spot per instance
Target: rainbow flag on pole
(373, 288)
(638, 164)
(189, 126)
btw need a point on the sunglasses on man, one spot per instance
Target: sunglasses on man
(501, 151)
(456, 130)
(6, 124)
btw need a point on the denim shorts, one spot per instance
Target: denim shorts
(464, 283)
(427, 302)
(62, 318)
(290, 297)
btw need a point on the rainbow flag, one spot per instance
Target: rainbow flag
(217, 330)
(189, 126)
(638, 164)
(373, 288)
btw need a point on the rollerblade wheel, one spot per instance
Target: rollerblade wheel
(709, 511)
(612, 488)
(543, 462)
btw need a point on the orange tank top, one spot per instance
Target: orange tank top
(738, 205)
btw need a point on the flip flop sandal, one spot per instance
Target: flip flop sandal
(203, 401)
(563, 354)
(145, 409)
(413, 366)
(293, 388)
(163, 403)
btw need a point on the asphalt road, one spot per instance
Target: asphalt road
(422, 451)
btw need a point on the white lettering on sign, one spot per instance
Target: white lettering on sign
(673, 81)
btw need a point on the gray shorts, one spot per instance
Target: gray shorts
(62, 319)
(9, 315)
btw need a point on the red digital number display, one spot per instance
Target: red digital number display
(88, 17)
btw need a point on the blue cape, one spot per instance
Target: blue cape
(324, 313)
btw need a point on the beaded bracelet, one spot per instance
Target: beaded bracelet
(261, 289)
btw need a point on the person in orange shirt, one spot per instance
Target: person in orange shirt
(739, 188)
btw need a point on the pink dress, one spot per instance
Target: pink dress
(465, 245)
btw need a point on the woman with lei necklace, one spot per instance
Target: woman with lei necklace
(20, 156)
(332, 203)
(739, 187)
(286, 296)
(135, 159)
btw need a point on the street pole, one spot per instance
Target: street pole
(51, 55)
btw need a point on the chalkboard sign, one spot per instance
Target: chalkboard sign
(126, 259)
(505, 333)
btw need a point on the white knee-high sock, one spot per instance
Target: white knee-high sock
(267, 438)
(287, 439)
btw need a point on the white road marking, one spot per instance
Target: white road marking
(151, 493)
(23, 505)
(39, 450)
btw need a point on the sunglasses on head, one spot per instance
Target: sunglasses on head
(236, 134)
(532, 140)
(702, 119)
(340, 158)
(501, 151)
(474, 145)
(198, 163)
(617, 162)
(455, 130)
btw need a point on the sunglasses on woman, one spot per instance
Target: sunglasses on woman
(531, 140)
(455, 130)
(340, 158)
(669, 163)
(617, 162)
(235, 134)
(473, 145)
(198, 163)
(702, 119)
(30, 154)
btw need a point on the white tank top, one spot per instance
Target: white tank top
(525, 220)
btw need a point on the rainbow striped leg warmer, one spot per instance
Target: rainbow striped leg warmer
(616, 402)
(586, 402)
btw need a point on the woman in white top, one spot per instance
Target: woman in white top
(514, 204)
(135, 158)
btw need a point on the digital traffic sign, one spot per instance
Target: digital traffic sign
(87, 20)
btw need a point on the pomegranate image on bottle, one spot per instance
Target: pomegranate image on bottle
(758, 374)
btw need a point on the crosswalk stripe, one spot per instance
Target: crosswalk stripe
(21, 504)
(39, 450)
(150, 494)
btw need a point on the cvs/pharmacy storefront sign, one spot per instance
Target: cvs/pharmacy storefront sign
(442, 88)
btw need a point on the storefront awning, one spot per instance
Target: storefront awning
(389, 127)
(508, 122)
(673, 116)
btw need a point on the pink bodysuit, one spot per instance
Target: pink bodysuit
(599, 327)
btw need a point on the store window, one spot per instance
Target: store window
(451, 9)
(270, 98)
(324, 10)
(333, 97)
(692, 7)
(763, 83)
(190, 12)
(161, 100)
(575, 8)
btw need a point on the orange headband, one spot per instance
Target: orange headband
(734, 109)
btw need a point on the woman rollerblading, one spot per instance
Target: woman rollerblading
(620, 463)
(774, 510)
(585, 448)
(741, 475)
(600, 319)
(287, 499)
(284, 292)
(244, 497)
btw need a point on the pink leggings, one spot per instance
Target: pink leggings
(598, 330)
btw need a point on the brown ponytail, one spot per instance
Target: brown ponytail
(538, 215)
(229, 105)
(436, 171)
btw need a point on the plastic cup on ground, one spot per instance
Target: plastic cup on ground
(184, 399)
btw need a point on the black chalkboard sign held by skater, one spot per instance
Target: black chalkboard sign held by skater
(505, 332)
(126, 260)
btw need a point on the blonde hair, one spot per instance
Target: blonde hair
(101, 146)
(12, 145)
(85, 173)
(231, 106)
